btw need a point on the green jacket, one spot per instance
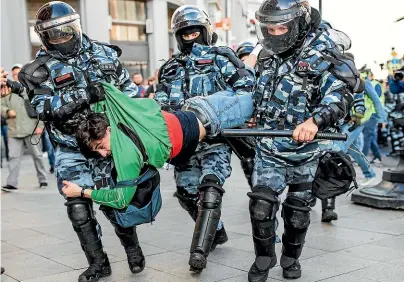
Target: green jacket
(144, 117)
(22, 125)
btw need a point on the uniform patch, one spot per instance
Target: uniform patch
(204, 62)
(64, 79)
(302, 66)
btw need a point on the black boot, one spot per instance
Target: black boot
(220, 238)
(133, 251)
(328, 207)
(209, 212)
(296, 216)
(81, 215)
(263, 207)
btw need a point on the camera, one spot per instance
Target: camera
(15, 86)
(399, 75)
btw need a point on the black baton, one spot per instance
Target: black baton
(279, 133)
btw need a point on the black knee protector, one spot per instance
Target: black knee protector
(296, 216)
(264, 204)
(188, 201)
(210, 200)
(81, 214)
(328, 204)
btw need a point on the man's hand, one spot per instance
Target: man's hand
(11, 114)
(3, 76)
(5, 91)
(152, 95)
(38, 131)
(305, 132)
(71, 190)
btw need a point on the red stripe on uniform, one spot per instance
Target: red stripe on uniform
(174, 133)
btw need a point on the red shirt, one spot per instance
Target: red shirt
(174, 133)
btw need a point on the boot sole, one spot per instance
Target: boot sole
(197, 262)
(106, 272)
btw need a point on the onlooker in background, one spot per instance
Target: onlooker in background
(153, 81)
(20, 127)
(48, 147)
(3, 79)
(138, 80)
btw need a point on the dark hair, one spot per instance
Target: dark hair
(89, 130)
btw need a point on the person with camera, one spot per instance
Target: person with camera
(64, 85)
(23, 130)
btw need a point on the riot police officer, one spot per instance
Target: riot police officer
(302, 85)
(201, 69)
(62, 83)
(244, 49)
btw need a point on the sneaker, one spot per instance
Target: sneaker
(9, 188)
(43, 185)
(377, 161)
(368, 181)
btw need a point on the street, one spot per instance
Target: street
(38, 243)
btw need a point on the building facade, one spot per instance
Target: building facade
(142, 29)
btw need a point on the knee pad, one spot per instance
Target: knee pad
(79, 211)
(264, 203)
(210, 192)
(296, 213)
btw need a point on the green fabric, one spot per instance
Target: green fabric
(145, 118)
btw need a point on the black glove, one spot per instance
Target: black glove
(95, 93)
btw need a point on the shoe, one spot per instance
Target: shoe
(52, 170)
(293, 272)
(43, 185)
(2, 270)
(220, 238)
(95, 271)
(376, 161)
(9, 188)
(368, 181)
(136, 259)
(260, 269)
(197, 262)
(328, 215)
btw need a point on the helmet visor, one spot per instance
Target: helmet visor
(64, 39)
(277, 37)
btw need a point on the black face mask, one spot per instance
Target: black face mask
(188, 44)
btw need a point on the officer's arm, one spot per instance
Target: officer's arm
(336, 101)
(241, 80)
(126, 85)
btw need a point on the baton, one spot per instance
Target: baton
(279, 133)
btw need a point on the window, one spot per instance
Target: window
(128, 20)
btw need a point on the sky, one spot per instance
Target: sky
(371, 26)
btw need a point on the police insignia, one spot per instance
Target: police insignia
(302, 66)
(65, 79)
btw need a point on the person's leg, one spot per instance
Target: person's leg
(268, 183)
(71, 165)
(15, 154)
(129, 240)
(374, 146)
(209, 230)
(363, 163)
(369, 132)
(49, 149)
(221, 111)
(37, 156)
(4, 133)
(296, 216)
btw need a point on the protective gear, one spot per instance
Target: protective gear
(191, 16)
(328, 115)
(81, 214)
(58, 27)
(296, 216)
(328, 207)
(334, 175)
(188, 44)
(187, 201)
(244, 49)
(95, 93)
(210, 197)
(129, 241)
(292, 17)
(264, 203)
(220, 238)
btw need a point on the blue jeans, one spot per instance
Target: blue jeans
(350, 148)
(4, 130)
(370, 137)
(48, 147)
(223, 109)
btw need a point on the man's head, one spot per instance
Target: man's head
(138, 78)
(15, 70)
(244, 49)
(58, 27)
(94, 136)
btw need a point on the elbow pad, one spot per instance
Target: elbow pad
(328, 116)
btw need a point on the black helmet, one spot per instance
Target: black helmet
(188, 16)
(244, 49)
(58, 26)
(291, 18)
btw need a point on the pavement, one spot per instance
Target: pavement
(38, 243)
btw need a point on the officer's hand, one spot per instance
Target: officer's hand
(95, 93)
(305, 132)
(11, 114)
(71, 190)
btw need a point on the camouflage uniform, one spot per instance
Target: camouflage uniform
(205, 71)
